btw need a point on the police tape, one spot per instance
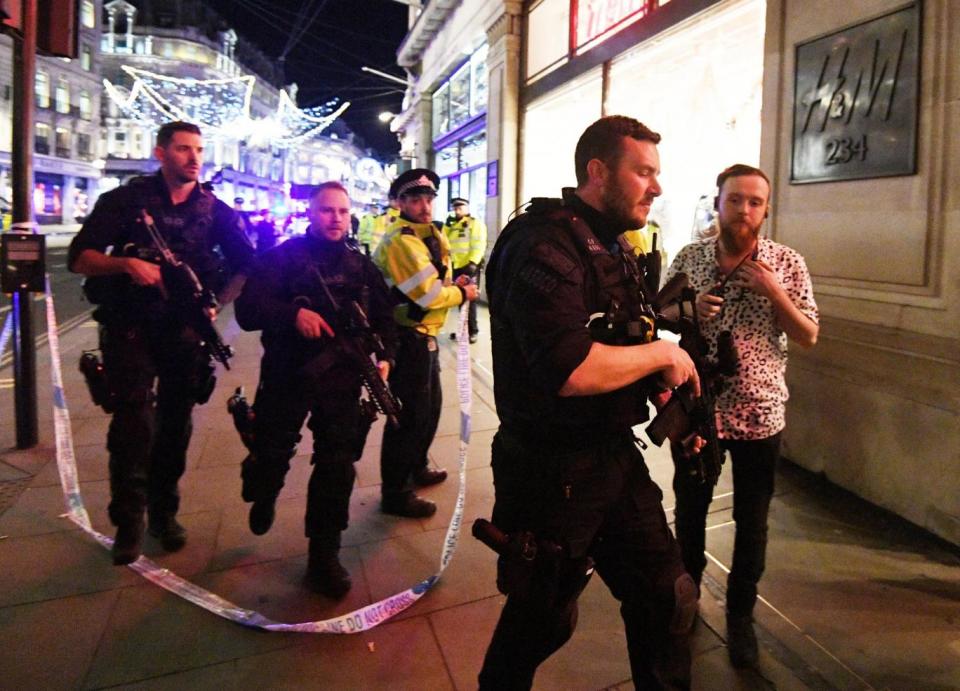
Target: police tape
(7, 330)
(361, 619)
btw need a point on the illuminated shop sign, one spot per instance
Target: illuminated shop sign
(855, 101)
(597, 19)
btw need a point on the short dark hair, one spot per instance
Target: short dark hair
(602, 139)
(739, 170)
(329, 185)
(167, 130)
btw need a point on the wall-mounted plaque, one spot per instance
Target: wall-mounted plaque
(855, 101)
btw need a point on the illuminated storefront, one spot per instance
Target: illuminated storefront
(459, 109)
(691, 71)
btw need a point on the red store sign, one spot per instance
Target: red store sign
(596, 19)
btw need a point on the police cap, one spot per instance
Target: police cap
(415, 181)
(459, 201)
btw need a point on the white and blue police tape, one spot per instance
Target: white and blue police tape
(356, 621)
(7, 330)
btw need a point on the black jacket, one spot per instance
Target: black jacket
(202, 231)
(550, 271)
(286, 280)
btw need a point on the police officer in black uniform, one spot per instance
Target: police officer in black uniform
(144, 337)
(304, 371)
(571, 485)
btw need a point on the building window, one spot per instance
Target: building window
(83, 147)
(88, 14)
(42, 89)
(86, 58)
(63, 96)
(41, 138)
(86, 105)
(463, 96)
(63, 143)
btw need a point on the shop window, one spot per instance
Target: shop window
(441, 110)
(42, 89)
(86, 105)
(552, 125)
(86, 58)
(460, 97)
(707, 104)
(447, 160)
(463, 96)
(473, 150)
(88, 14)
(547, 35)
(41, 138)
(63, 96)
(478, 81)
(63, 143)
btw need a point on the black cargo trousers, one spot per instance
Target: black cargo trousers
(339, 428)
(598, 504)
(149, 432)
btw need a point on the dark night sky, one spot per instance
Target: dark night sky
(325, 62)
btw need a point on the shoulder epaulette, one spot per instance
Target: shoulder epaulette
(407, 230)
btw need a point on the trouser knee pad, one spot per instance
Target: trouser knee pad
(263, 472)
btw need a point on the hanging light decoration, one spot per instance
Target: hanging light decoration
(219, 106)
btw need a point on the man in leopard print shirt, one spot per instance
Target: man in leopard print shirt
(767, 301)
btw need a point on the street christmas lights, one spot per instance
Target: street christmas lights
(219, 106)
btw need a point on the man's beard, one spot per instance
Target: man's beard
(739, 239)
(618, 212)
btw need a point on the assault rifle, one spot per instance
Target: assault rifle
(182, 287)
(685, 414)
(358, 341)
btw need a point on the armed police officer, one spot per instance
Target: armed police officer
(145, 337)
(415, 259)
(572, 490)
(468, 245)
(301, 297)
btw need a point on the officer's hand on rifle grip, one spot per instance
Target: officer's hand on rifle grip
(679, 368)
(311, 325)
(143, 273)
(708, 305)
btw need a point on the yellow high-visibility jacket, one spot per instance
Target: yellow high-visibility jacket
(410, 269)
(365, 231)
(468, 240)
(379, 228)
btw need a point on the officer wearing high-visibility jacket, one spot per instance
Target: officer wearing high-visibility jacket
(415, 259)
(468, 244)
(365, 229)
(379, 227)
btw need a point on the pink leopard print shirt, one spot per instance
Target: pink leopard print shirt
(753, 403)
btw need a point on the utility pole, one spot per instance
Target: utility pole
(24, 349)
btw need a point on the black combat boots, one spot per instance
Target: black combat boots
(741, 640)
(261, 515)
(325, 574)
(128, 543)
(168, 530)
